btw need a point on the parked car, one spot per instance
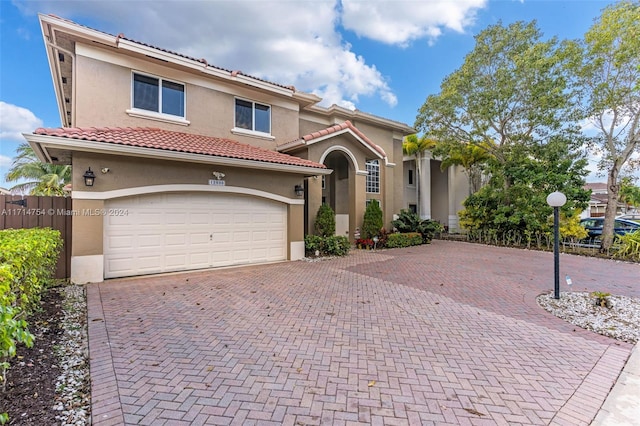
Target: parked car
(594, 225)
(634, 217)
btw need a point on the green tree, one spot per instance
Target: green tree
(511, 98)
(607, 74)
(519, 213)
(325, 224)
(41, 178)
(471, 157)
(510, 91)
(629, 193)
(417, 147)
(372, 223)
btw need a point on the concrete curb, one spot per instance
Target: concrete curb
(622, 406)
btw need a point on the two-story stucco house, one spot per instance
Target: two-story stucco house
(179, 164)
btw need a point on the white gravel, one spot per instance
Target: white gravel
(621, 321)
(73, 387)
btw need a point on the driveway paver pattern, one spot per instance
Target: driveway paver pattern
(447, 333)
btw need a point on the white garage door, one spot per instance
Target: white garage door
(179, 231)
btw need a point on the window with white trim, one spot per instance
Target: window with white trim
(156, 94)
(253, 116)
(373, 176)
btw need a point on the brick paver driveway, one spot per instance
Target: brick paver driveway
(448, 333)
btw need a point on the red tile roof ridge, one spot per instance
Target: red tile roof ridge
(347, 124)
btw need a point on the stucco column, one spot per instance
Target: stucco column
(454, 201)
(424, 187)
(358, 201)
(295, 231)
(87, 259)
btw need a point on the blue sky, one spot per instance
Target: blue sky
(382, 57)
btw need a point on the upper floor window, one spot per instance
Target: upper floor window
(253, 116)
(373, 178)
(158, 95)
(410, 177)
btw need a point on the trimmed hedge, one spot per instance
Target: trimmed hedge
(28, 259)
(335, 245)
(404, 240)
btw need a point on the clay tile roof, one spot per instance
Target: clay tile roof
(340, 127)
(153, 138)
(596, 186)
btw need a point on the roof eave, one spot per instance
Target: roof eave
(353, 114)
(41, 143)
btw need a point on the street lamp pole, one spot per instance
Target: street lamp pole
(556, 200)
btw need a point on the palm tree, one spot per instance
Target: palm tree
(471, 157)
(417, 147)
(41, 178)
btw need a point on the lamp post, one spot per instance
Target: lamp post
(556, 200)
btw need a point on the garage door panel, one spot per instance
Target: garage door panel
(175, 262)
(150, 241)
(199, 218)
(176, 219)
(199, 237)
(146, 218)
(178, 231)
(241, 237)
(119, 241)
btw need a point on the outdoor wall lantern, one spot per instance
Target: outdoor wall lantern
(556, 200)
(299, 190)
(89, 177)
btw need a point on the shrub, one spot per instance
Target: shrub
(27, 261)
(364, 243)
(337, 245)
(408, 221)
(313, 243)
(628, 246)
(325, 224)
(372, 223)
(334, 245)
(404, 240)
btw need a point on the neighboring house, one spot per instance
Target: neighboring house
(196, 166)
(599, 200)
(442, 191)
(4, 191)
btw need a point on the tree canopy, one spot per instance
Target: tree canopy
(607, 76)
(510, 90)
(41, 178)
(511, 99)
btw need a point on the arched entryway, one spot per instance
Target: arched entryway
(337, 189)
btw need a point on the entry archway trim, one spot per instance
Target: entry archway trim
(345, 151)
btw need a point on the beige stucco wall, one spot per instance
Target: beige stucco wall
(410, 194)
(86, 237)
(131, 172)
(103, 96)
(295, 225)
(439, 193)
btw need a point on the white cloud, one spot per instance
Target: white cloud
(288, 42)
(400, 22)
(15, 120)
(5, 161)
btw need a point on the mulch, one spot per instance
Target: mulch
(30, 395)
